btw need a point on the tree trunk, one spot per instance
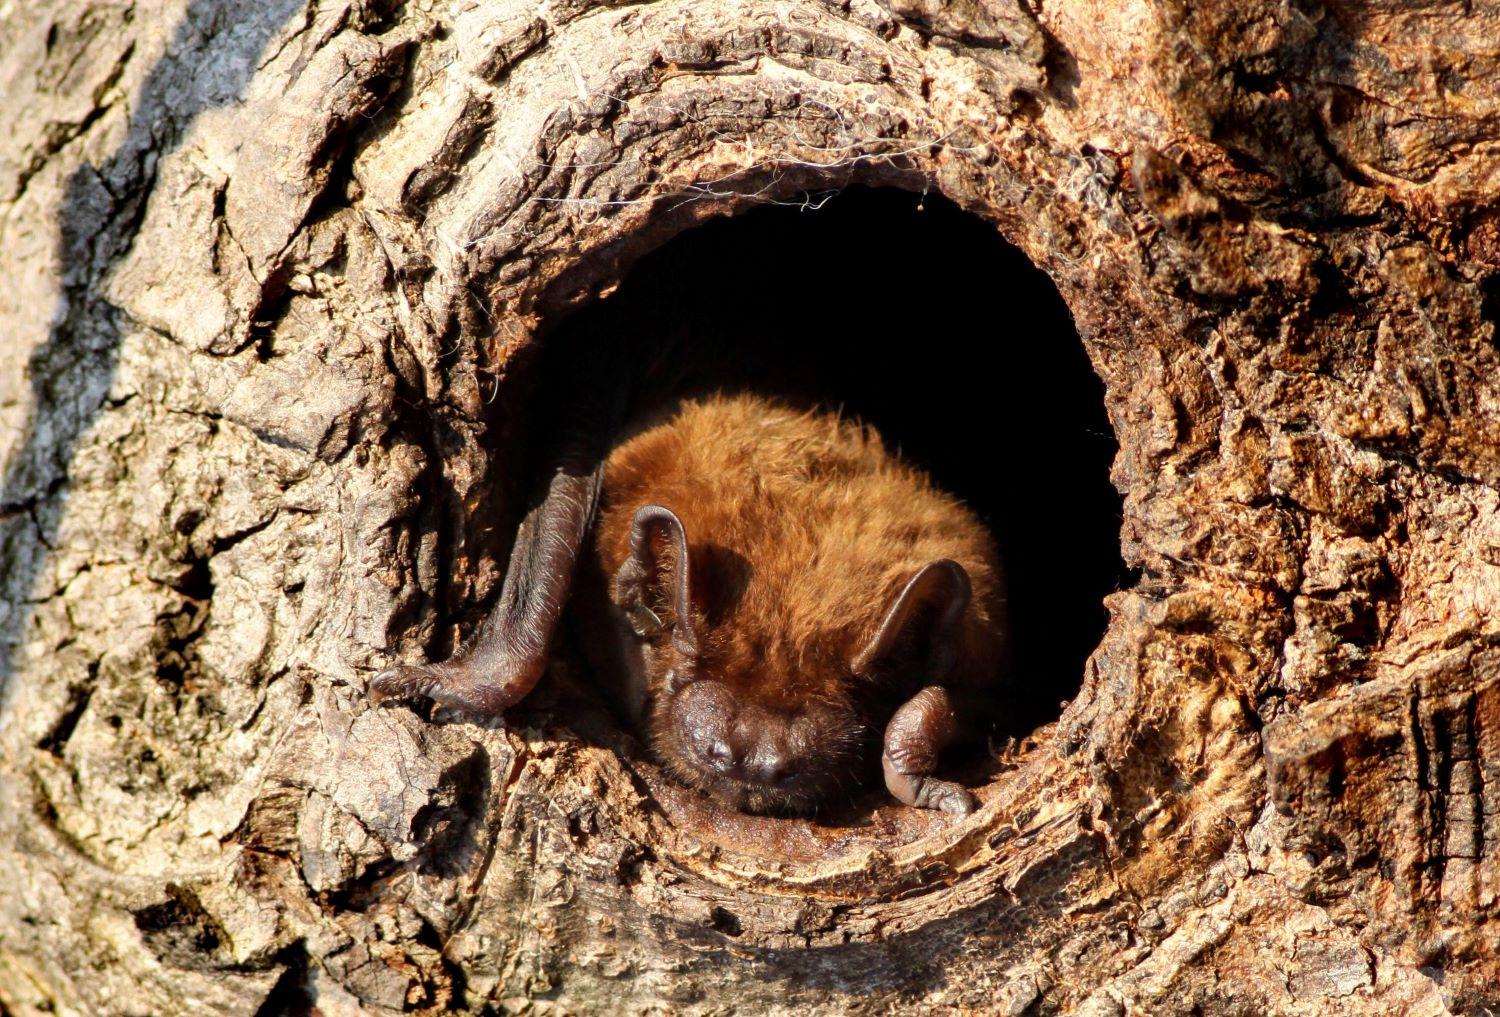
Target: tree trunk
(267, 266)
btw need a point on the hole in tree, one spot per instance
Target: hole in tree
(921, 320)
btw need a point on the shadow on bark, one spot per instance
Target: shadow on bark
(208, 63)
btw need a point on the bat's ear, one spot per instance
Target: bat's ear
(921, 625)
(654, 584)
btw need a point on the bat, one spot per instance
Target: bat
(769, 593)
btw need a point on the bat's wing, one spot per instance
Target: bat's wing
(922, 623)
(506, 656)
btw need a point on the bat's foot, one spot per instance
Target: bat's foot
(453, 684)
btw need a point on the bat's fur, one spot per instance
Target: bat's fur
(802, 530)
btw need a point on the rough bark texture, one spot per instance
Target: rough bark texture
(266, 266)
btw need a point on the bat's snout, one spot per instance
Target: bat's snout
(747, 754)
(766, 765)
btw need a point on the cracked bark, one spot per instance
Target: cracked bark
(268, 264)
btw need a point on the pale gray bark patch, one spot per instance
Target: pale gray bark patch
(273, 265)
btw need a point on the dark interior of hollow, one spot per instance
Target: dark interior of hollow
(920, 319)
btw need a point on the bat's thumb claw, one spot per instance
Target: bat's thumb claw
(960, 803)
(949, 797)
(397, 682)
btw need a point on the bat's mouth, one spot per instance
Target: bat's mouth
(760, 798)
(803, 795)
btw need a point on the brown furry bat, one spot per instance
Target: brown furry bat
(769, 588)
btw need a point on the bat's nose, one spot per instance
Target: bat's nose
(719, 757)
(760, 764)
(747, 745)
(768, 766)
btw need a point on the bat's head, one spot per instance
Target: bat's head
(738, 712)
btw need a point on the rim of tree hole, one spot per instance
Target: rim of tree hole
(1046, 496)
(283, 271)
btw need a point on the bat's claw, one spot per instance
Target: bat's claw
(945, 796)
(926, 792)
(403, 681)
(959, 802)
(455, 684)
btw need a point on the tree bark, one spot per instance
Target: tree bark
(267, 266)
